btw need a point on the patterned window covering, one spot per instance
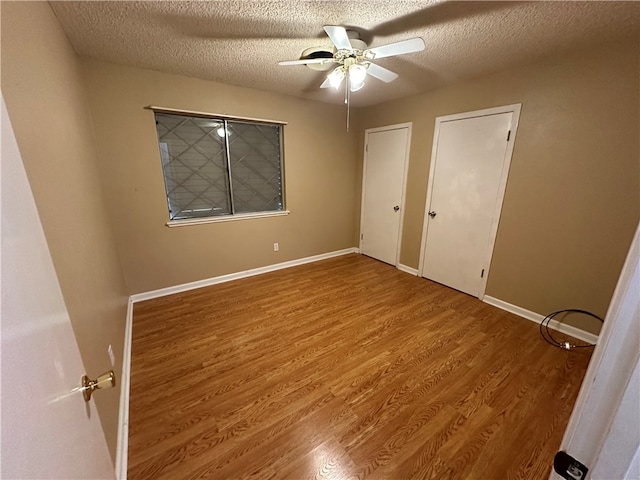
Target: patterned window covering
(214, 167)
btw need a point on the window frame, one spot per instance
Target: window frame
(233, 216)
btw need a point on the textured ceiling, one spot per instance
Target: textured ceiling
(240, 42)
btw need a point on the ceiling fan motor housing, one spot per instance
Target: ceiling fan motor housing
(328, 52)
(357, 44)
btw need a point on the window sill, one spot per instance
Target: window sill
(226, 218)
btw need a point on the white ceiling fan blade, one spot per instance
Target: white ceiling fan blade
(381, 73)
(398, 48)
(326, 83)
(307, 61)
(339, 37)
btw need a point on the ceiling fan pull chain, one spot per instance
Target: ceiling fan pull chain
(348, 95)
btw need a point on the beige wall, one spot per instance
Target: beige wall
(571, 205)
(42, 86)
(320, 175)
(573, 198)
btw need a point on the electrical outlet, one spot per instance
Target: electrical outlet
(276, 247)
(112, 357)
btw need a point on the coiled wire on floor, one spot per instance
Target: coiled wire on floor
(545, 331)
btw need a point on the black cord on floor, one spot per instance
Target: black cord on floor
(545, 331)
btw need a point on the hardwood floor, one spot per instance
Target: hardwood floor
(343, 369)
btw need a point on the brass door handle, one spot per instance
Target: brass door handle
(106, 380)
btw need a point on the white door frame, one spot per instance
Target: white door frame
(515, 109)
(607, 380)
(397, 126)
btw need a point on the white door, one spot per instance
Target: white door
(383, 183)
(604, 429)
(468, 175)
(48, 430)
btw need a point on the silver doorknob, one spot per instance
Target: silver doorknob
(396, 208)
(106, 380)
(432, 214)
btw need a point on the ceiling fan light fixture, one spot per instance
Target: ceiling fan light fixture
(357, 73)
(336, 77)
(355, 86)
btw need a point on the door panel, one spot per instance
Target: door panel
(465, 189)
(48, 430)
(603, 421)
(383, 185)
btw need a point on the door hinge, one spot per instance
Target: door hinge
(366, 148)
(482, 273)
(508, 135)
(362, 236)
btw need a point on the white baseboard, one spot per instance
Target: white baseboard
(404, 268)
(536, 317)
(123, 416)
(138, 297)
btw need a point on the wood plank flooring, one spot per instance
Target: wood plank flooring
(343, 369)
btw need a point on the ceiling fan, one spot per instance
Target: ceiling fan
(354, 59)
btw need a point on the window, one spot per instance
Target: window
(216, 167)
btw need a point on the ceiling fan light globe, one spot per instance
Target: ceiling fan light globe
(336, 77)
(355, 86)
(357, 74)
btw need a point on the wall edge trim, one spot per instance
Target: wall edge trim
(139, 297)
(536, 317)
(122, 448)
(407, 269)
